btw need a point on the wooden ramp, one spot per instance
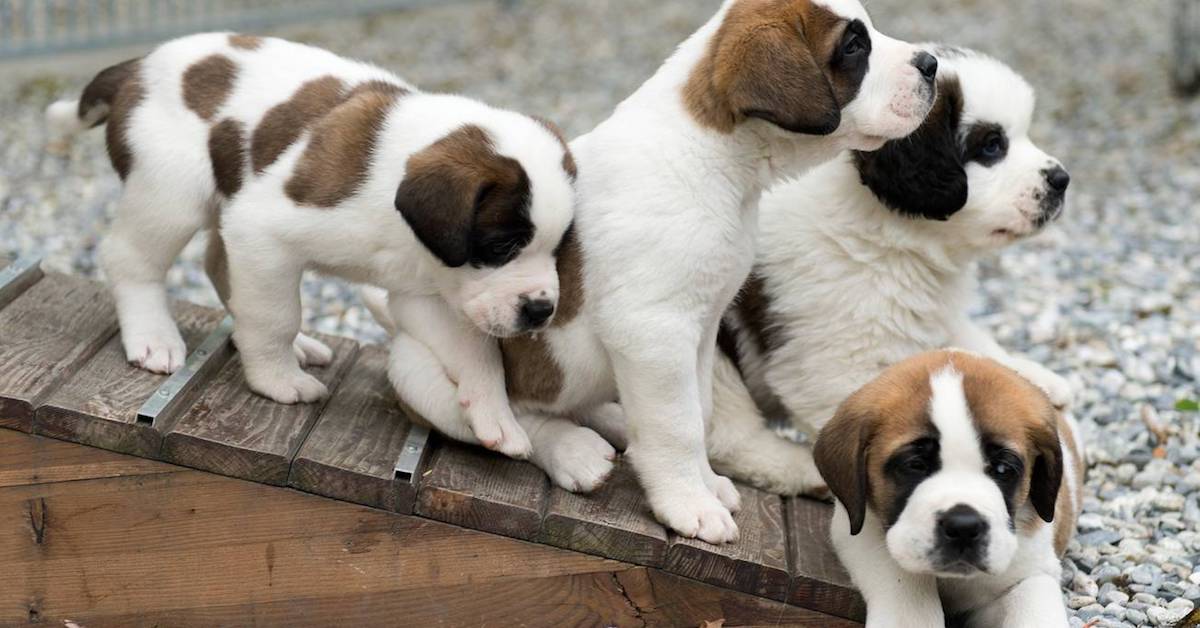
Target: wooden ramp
(63, 375)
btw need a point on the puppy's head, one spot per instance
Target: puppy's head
(972, 162)
(815, 67)
(492, 203)
(950, 452)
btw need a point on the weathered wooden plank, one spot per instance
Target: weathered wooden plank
(756, 563)
(99, 405)
(819, 581)
(46, 335)
(232, 431)
(613, 521)
(26, 459)
(16, 275)
(482, 490)
(352, 451)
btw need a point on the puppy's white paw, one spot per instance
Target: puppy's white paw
(725, 491)
(311, 352)
(576, 458)
(289, 387)
(493, 423)
(158, 351)
(1056, 387)
(697, 515)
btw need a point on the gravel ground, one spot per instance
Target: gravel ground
(1109, 297)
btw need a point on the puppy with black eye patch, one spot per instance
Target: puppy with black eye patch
(871, 258)
(957, 485)
(294, 158)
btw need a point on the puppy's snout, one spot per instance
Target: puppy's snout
(961, 527)
(1058, 179)
(926, 64)
(536, 312)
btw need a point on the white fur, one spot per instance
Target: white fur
(855, 287)
(170, 194)
(667, 219)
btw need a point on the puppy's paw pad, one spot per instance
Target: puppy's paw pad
(311, 352)
(162, 353)
(298, 387)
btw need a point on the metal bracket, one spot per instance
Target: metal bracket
(17, 276)
(414, 450)
(208, 356)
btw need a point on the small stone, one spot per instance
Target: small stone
(1084, 585)
(1099, 537)
(1145, 598)
(1080, 601)
(1169, 501)
(1090, 521)
(1115, 610)
(1115, 597)
(1090, 611)
(1135, 617)
(1181, 603)
(1160, 616)
(1107, 573)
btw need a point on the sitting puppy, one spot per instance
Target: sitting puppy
(665, 236)
(306, 160)
(957, 484)
(871, 258)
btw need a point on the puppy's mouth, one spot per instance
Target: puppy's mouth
(960, 569)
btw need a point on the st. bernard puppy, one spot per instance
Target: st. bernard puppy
(665, 233)
(298, 159)
(958, 483)
(871, 258)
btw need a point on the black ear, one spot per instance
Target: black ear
(841, 457)
(922, 175)
(1047, 473)
(779, 81)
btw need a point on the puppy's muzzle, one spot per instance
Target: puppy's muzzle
(962, 535)
(536, 313)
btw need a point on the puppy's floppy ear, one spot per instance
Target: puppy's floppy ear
(445, 185)
(777, 79)
(922, 175)
(841, 457)
(1047, 474)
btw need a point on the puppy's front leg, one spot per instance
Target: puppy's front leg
(895, 598)
(265, 302)
(967, 335)
(1034, 603)
(473, 360)
(659, 388)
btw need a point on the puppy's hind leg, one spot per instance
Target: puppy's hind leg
(422, 384)
(575, 457)
(742, 446)
(152, 225)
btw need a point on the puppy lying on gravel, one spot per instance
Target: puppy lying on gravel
(294, 159)
(958, 484)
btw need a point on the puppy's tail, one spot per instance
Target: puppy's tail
(66, 118)
(376, 300)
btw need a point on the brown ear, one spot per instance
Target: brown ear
(779, 81)
(1046, 478)
(841, 456)
(444, 186)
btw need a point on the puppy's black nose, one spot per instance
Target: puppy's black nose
(961, 526)
(536, 312)
(927, 65)
(1058, 178)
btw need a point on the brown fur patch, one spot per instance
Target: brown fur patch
(103, 89)
(1066, 513)
(128, 96)
(245, 42)
(283, 124)
(568, 160)
(336, 161)
(530, 370)
(768, 59)
(208, 83)
(227, 152)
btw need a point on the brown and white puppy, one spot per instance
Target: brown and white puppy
(666, 232)
(957, 484)
(298, 159)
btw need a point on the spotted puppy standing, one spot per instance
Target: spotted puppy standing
(306, 160)
(665, 235)
(871, 258)
(958, 484)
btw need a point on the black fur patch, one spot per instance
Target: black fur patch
(985, 143)
(907, 468)
(922, 175)
(1006, 469)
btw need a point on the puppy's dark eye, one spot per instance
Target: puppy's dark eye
(499, 249)
(852, 45)
(916, 466)
(993, 146)
(1003, 465)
